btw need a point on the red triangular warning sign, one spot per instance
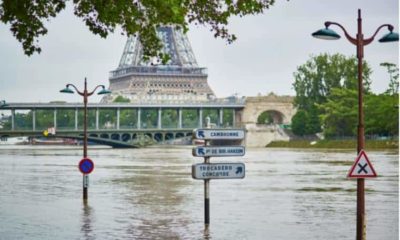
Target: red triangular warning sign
(362, 167)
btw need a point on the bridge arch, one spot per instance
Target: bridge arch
(179, 135)
(279, 107)
(126, 137)
(270, 117)
(169, 136)
(104, 135)
(158, 137)
(115, 136)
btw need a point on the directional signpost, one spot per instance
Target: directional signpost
(219, 134)
(218, 171)
(207, 171)
(221, 151)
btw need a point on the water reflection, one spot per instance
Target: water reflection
(207, 235)
(87, 218)
(157, 195)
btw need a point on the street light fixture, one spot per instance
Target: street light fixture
(3, 103)
(85, 94)
(360, 42)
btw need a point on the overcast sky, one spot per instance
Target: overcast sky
(269, 49)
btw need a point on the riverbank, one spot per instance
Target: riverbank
(339, 144)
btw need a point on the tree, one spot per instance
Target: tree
(339, 116)
(316, 79)
(121, 99)
(393, 71)
(26, 18)
(299, 122)
(381, 115)
(265, 118)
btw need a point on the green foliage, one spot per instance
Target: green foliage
(336, 144)
(26, 18)
(44, 119)
(340, 113)
(213, 114)
(22, 121)
(340, 117)
(121, 99)
(318, 77)
(189, 118)
(299, 123)
(381, 115)
(393, 72)
(107, 118)
(128, 118)
(227, 117)
(65, 118)
(265, 118)
(149, 118)
(169, 118)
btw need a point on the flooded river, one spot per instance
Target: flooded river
(150, 194)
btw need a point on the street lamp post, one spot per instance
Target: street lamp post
(85, 94)
(360, 42)
(3, 103)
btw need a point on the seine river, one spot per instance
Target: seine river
(150, 194)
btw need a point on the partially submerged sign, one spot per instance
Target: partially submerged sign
(86, 166)
(222, 151)
(219, 134)
(362, 167)
(218, 170)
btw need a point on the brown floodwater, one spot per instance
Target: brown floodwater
(150, 194)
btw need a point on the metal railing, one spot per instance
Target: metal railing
(161, 70)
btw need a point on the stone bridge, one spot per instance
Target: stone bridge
(266, 117)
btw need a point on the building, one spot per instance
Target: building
(179, 80)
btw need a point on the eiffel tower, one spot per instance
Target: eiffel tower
(179, 80)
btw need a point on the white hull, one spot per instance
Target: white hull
(14, 140)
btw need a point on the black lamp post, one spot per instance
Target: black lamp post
(360, 42)
(85, 94)
(3, 103)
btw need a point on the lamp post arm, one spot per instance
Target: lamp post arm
(94, 90)
(369, 40)
(351, 39)
(76, 89)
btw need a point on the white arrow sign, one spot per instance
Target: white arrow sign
(222, 151)
(219, 134)
(218, 170)
(362, 167)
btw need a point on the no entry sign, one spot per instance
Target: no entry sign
(86, 166)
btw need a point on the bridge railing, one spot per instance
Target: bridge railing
(17, 116)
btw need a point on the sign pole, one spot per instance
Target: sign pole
(207, 186)
(85, 186)
(85, 176)
(206, 197)
(86, 166)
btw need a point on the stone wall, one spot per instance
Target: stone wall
(259, 135)
(271, 102)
